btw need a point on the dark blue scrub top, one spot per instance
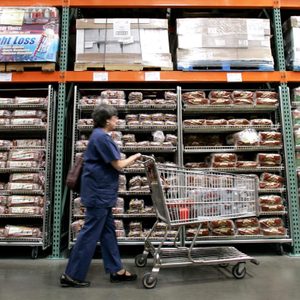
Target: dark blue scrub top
(99, 180)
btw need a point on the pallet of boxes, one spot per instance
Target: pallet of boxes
(29, 38)
(224, 44)
(122, 44)
(291, 29)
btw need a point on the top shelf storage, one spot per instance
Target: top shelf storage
(288, 4)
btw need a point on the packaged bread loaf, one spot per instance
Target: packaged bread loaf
(26, 155)
(27, 122)
(266, 101)
(135, 96)
(242, 94)
(270, 208)
(3, 209)
(220, 94)
(246, 164)
(246, 222)
(88, 122)
(12, 231)
(77, 225)
(243, 101)
(216, 122)
(270, 222)
(27, 177)
(25, 210)
(238, 122)
(5, 114)
(110, 94)
(29, 114)
(23, 164)
(170, 96)
(3, 157)
(5, 143)
(247, 137)
(23, 186)
(270, 177)
(221, 224)
(128, 138)
(3, 200)
(269, 159)
(220, 101)
(261, 122)
(274, 231)
(190, 232)
(266, 94)
(223, 157)
(196, 165)
(30, 100)
(7, 101)
(4, 121)
(90, 100)
(2, 185)
(223, 231)
(28, 143)
(194, 122)
(270, 199)
(248, 231)
(25, 200)
(193, 95)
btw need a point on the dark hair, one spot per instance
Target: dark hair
(102, 113)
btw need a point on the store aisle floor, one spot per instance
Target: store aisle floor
(276, 278)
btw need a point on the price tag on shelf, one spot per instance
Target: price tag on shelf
(234, 77)
(5, 76)
(152, 76)
(100, 76)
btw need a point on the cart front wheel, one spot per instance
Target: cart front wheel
(34, 252)
(149, 281)
(224, 265)
(140, 260)
(239, 271)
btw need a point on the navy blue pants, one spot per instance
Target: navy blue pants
(99, 226)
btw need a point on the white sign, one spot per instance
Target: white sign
(152, 76)
(234, 77)
(100, 76)
(5, 76)
(121, 28)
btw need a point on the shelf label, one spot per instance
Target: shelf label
(5, 76)
(100, 76)
(152, 76)
(234, 77)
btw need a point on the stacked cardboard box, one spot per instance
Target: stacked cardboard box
(221, 42)
(292, 42)
(127, 42)
(29, 34)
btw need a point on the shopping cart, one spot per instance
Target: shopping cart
(185, 197)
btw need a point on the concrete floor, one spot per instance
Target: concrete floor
(276, 278)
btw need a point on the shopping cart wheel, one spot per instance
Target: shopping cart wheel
(149, 281)
(239, 271)
(140, 260)
(224, 265)
(34, 252)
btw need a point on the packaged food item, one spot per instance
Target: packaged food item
(261, 122)
(216, 122)
(248, 231)
(274, 231)
(238, 122)
(170, 96)
(221, 224)
(246, 164)
(266, 94)
(158, 136)
(12, 231)
(269, 177)
(242, 94)
(246, 222)
(270, 222)
(223, 157)
(138, 96)
(110, 94)
(268, 159)
(219, 94)
(247, 137)
(270, 200)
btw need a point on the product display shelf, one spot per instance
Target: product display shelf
(189, 152)
(143, 132)
(42, 221)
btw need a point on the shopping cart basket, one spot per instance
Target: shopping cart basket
(184, 197)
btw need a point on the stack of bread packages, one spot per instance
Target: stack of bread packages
(131, 43)
(224, 43)
(291, 30)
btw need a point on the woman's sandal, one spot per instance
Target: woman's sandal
(126, 276)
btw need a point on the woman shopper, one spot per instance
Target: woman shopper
(99, 190)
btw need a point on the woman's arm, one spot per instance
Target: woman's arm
(123, 163)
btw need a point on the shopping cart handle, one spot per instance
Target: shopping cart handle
(146, 158)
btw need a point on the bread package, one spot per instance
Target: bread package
(269, 159)
(12, 231)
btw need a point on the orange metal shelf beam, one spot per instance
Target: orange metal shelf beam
(20, 77)
(293, 76)
(175, 3)
(175, 76)
(31, 2)
(290, 4)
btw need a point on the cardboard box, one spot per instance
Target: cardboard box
(29, 34)
(142, 42)
(219, 41)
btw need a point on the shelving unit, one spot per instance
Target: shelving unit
(83, 111)
(64, 76)
(44, 131)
